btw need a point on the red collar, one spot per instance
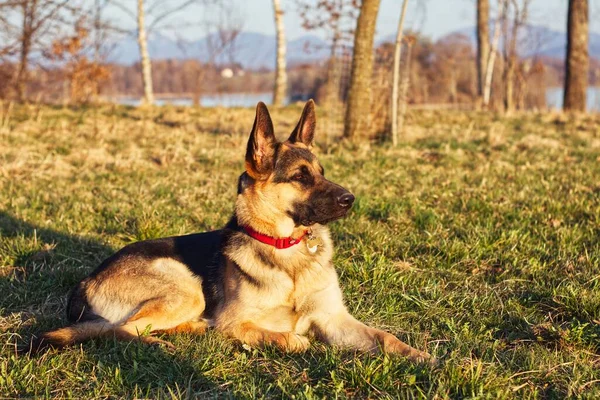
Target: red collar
(279, 243)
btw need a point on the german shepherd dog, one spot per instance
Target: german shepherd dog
(266, 278)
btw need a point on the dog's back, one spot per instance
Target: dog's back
(200, 253)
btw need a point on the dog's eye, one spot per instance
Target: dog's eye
(303, 176)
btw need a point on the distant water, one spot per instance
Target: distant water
(554, 98)
(213, 100)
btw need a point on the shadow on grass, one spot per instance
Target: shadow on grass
(47, 264)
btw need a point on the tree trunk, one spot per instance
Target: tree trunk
(483, 44)
(198, 79)
(396, 81)
(489, 72)
(577, 63)
(332, 83)
(22, 72)
(509, 79)
(359, 98)
(280, 90)
(29, 9)
(520, 15)
(146, 66)
(510, 56)
(405, 83)
(453, 81)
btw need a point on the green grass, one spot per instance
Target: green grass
(478, 239)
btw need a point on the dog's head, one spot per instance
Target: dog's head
(284, 187)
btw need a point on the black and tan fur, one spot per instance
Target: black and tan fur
(246, 289)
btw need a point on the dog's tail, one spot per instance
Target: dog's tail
(73, 334)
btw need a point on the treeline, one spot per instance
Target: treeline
(440, 72)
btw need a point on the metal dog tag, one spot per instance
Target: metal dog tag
(313, 243)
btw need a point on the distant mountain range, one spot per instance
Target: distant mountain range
(256, 50)
(251, 50)
(538, 40)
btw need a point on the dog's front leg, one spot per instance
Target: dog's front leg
(254, 335)
(344, 330)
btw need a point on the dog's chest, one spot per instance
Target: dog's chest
(276, 288)
(289, 288)
(306, 272)
(287, 304)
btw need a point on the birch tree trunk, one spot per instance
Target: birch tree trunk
(280, 89)
(487, 90)
(405, 83)
(396, 79)
(145, 57)
(520, 11)
(483, 44)
(359, 96)
(577, 63)
(332, 84)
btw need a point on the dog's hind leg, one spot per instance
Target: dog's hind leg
(77, 333)
(171, 314)
(69, 335)
(176, 312)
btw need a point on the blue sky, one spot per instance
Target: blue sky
(434, 18)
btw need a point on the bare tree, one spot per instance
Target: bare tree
(577, 62)
(359, 96)
(337, 19)
(491, 61)
(82, 77)
(221, 34)
(410, 41)
(483, 43)
(8, 29)
(39, 22)
(104, 29)
(511, 37)
(153, 16)
(396, 79)
(280, 89)
(222, 26)
(144, 56)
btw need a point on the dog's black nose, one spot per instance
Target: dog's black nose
(346, 200)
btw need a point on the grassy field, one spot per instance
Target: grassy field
(478, 239)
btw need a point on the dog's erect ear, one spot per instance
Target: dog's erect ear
(305, 130)
(261, 145)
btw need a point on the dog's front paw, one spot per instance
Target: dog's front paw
(297, 343)
(253, 335)
(154, 341)
(289, 341)
(392, 344)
